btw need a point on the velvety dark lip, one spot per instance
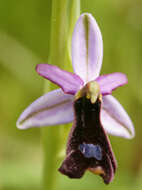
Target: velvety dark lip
(87, 130)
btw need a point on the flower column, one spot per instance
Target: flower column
(63, 18)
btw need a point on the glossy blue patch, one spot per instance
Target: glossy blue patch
(91, 151)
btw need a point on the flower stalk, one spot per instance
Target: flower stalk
(62, 23)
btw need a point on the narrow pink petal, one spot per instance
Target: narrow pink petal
(87, 48)
(52, 108)
(69, 82)
(114, 118)
(110, 82)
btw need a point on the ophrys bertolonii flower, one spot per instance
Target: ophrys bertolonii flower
(84, 98)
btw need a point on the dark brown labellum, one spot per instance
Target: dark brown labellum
(88, 146)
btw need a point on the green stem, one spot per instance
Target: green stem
(74, 14)
(59, 39)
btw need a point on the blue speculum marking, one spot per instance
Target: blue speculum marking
(91, 151)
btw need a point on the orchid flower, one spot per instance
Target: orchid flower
(85, 98)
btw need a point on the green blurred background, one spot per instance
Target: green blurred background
(24, 27)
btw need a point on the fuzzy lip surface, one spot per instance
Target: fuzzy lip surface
(88, 146)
